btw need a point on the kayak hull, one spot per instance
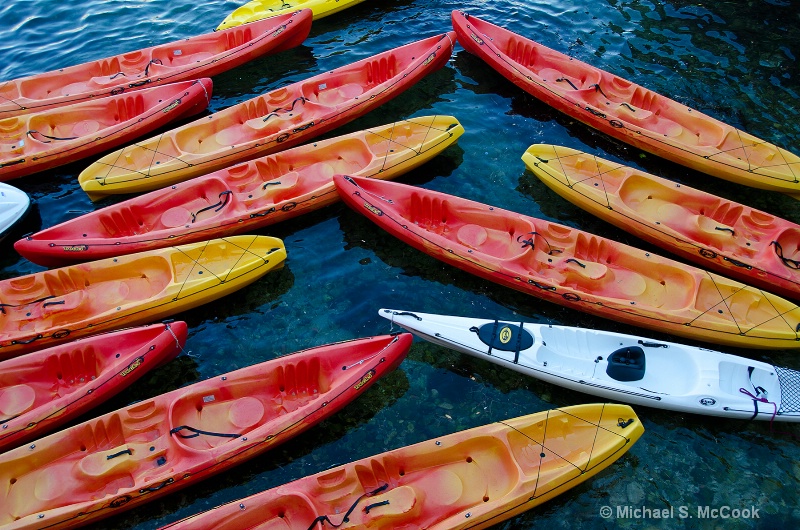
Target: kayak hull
(272, 122)
(242, 198)
(154, 447)
(46, 308)
(619, 367)
(752, 246)
(512, 466)
(204, 55)
(628, 112)
(576, 269)
(45, 389)
(14, 205)
(51, 138)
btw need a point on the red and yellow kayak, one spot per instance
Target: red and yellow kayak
(201, 56)
(245, 197)
(576, 268)
(152, 448)
(752, 246)
(470, 479)
(46, 308)
(268, 123)
(45, 389)
(629, 112)
(54, 137)
(259, 9)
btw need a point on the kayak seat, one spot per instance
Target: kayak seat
(66, 309)
(586, 80)
(235, 416)
(15, 400)
(631, 113)
(110, 462)
(283, 189)
(626, 364)
(491, 241)
(340, 95)
(397, 504)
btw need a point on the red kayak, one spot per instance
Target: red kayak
(629, 112)
(152, 448)
(574, 268)
(45, 389)
(51, 138)
(268, 123)
(201, 56)
(244, 197)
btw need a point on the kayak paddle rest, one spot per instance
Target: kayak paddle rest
(626, 364)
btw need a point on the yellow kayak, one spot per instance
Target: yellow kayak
(749, 245)
(260, 9)
(57, 305)
(469, 479)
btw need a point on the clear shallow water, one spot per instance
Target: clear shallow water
(734, 60)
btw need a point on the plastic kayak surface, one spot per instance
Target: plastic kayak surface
(750, 245)
(629, 112)
(268, 123)
(201, 56)
(470, 479)
(620, 367)
(44, 140)
(576, 268)
(14, 204)
(42, 309)
(152, 448)
(43, 390)
(244, 197)
(259, 9)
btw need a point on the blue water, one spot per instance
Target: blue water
(734, 60)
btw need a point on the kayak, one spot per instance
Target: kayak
(620, 367)
(141, 452)
(750, 245)
(201, 56)
(51, 138)
(628, 112)
(53, 306)
(260, 9)
(268, 123)
(45, 389)
(470, 479)
(14, 205)
(576, 269)
(244, 197)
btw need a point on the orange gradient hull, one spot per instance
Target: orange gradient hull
(154, 447)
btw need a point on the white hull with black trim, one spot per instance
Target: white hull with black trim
(620, 367)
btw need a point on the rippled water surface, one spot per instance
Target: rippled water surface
(735, 60)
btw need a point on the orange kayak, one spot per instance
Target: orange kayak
(45, 389)
(245, 197)
(152, 448)
(268, 123)
(576, 268)
(738, 241)
(45, 308)
(470, 479)
(629, 112)
(201, 56)
(51, 138)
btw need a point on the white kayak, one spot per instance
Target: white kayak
(620, 367)
(14, 204)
